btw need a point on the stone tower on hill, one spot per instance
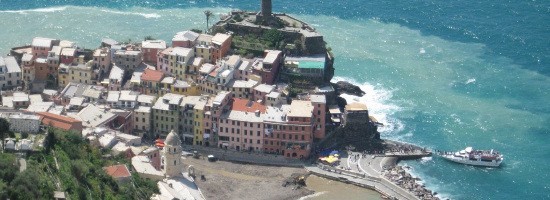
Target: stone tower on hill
(172, 155)
(266, 12)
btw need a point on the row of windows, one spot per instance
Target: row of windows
(250, 141)
(142, 119)
(163, 128)
(289, 136)
(238, 131)
(249, 124)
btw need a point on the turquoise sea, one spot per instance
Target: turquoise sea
(441, 74)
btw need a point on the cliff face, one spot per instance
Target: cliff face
(358, 132)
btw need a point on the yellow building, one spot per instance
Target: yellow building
(188, 88)
(166, 114)
(193, 115)
(79, 72)
(175, 61)
(204, 48)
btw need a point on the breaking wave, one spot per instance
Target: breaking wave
(380, 105)
(43, 10)
(146, 15)
(316, 194)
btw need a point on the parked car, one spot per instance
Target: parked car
(212, 158)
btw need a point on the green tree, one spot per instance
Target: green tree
(8, 167)
(238, 18)
(208, 14)
(80, 169)
(29, 185)
(273, 36)
(149, 38)
(3, 190)
(196, 31)
(4, 128)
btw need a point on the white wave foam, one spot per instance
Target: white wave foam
(146, 15)
(425, 159)
(316, 194)
(472, 80)
(422, 51)
(378, 100)
(426, 180)
(42, 10)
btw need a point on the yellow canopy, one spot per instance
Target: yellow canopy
(329, 159)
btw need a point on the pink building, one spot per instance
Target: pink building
(153, 154)
(68, 55)
(42, 69)
(261, 91)
(319, 103)
(288, 130)
(268, 68)
(241, 128)
(221, 43)
(150, 49)
(41, 46)
(185, 39)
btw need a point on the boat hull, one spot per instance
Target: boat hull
(495, 163)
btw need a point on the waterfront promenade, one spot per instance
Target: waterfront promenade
(380, 185)
(245, 157)
(372, 170)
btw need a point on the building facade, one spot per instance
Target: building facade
(173, 164)
(24, 123)
(10, 73)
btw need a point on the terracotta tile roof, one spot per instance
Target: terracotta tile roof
(59, 121)
(152, 75)
(246, 105)
(117, 171)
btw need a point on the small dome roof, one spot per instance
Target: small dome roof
(172, 139)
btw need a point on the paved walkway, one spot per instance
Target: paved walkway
(372, 165)
(22, 164)
(378, 185)
(245, 157)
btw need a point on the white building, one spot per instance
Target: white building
(143, 166)
(24, 123)
(115, 78)
(173, 165)
(107, 141)
(10, 73)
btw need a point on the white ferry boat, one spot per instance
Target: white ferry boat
(470, 156)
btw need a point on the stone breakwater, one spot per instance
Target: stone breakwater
(400, 177)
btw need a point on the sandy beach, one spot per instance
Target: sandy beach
(226, 180)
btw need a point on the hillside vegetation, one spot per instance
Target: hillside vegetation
(68, 163)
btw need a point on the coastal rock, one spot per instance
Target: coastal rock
(344, 87)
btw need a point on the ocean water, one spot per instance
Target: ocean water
(441, 74)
